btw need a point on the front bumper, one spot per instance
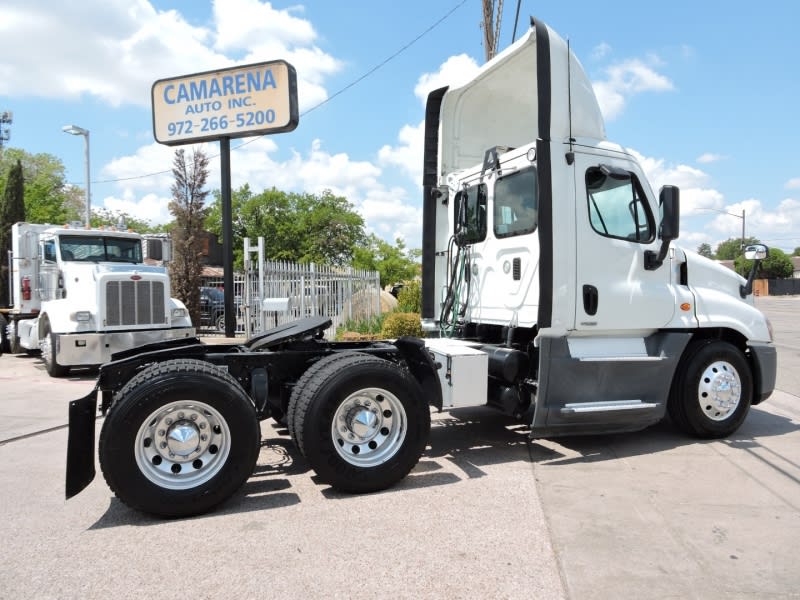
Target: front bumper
(73, 349)
(765, 367)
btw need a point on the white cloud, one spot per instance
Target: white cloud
(709, 157)
(455, 71)
(696, 196)
(408, 154)
(387, 210)
(150, 207)
(115, 49)
(627, 79)
(600, 51)
(793, 184)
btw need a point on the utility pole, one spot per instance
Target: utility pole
(492, 16)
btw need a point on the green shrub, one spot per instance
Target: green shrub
(409, 298)
(401, 323)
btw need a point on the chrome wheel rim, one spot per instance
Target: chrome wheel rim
(46, 347)
(182, 445)
(720, 390)
(369, 427)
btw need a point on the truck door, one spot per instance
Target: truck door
(509, 292)
(499, 217)
(616, 224)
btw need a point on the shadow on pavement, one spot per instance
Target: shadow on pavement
(659, 438)
(75, 373)
(462, 443)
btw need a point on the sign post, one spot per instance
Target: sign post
(255, 99)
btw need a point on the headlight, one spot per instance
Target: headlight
(83, 316)
(178, 313)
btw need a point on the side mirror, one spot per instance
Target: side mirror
(158, 249)
(756, 252)
(670, 201)
(441, 193)
(153, 249)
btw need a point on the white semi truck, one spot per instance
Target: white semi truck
(552, 290)
(79, 295)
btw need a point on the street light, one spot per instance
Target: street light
(75, 130)
(725, 212)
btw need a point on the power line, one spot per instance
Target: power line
(353, 83)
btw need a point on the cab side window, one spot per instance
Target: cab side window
(469, 214)
(617, 205)
(515, 204)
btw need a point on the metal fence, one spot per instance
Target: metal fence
(273, 293)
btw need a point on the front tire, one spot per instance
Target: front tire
(361, 422)
(48, 346)
(712, 390)
(181, 437)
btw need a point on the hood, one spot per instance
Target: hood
(718, 302)
(712, 275)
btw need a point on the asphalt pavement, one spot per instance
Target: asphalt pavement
(487, 513)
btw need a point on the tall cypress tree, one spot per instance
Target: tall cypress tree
(12, 210)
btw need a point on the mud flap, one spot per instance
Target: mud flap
(80, 443)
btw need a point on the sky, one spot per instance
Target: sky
(706, 94)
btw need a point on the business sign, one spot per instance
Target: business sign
(237, 102)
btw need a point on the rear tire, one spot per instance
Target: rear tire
(712, 390)
(361, 422)
(181, 437)
(48, 346)
(4, 347)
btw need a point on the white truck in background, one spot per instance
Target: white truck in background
(79, 295)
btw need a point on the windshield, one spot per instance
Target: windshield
(82, 248)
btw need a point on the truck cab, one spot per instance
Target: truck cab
(542, 237)
(81, 295)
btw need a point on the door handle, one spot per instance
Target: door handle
(590, 299)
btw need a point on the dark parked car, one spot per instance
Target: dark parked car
(212, 308)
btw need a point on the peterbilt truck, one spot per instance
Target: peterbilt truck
(79, 295)
(553, 290)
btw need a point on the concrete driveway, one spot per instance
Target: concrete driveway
(487, 513)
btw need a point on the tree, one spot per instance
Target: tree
(48, 198)
(320, 228)
(113, 218)
(188, 208)
(392, 262)
(12, 210)
(796, 251)
(732, 247)
(704, 249)
(776, 266)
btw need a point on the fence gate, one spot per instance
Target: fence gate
(274, 293)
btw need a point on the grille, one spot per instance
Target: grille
(135, 303)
